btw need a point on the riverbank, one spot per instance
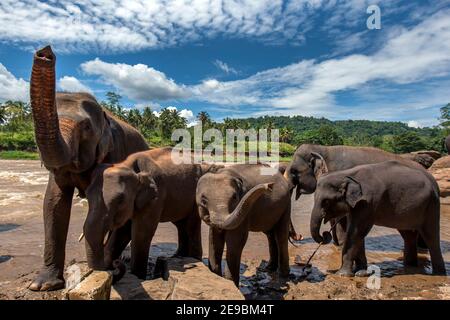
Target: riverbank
(22, 186)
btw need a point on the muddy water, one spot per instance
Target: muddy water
(22, 187)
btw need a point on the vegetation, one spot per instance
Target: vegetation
(17, 134)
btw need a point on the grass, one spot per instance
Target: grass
(19, 155)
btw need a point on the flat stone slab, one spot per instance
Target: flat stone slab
(96, 286)
(189, 279)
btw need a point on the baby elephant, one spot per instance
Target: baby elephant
(130, 198)
(239, 199)
(386, 194)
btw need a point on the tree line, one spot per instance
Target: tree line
(16, 128)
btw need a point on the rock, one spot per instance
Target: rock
(96, 286)
(441, 172)
(426, 157)
(189, 279)
(441, 163)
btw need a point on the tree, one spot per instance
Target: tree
(113, 98)
(286, 134)
(3, 114)
(407, 142)
(445, 118)
(205, 119)
(325, 135)
(149, 121)
(170, 120)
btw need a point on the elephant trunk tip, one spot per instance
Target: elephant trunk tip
(45, 57)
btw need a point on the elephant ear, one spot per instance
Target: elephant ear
(353, 191)
(105, 145)
(147, 190)
(240, 186)
(318, 164)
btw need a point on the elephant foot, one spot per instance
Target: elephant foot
(284, 273)
(119, 270)
(362, 273)
(345, 273)
(270, 267)
(49, 279)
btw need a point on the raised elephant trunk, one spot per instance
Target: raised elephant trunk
(243, 208)
(52, 146)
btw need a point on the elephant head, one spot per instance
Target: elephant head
(335, 196)
(115, 194)
(304, 170)
(71, 129)
(224, 202)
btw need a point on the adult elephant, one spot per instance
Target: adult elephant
(73, 134)
(310, 161)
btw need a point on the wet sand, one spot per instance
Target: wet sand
(22, 186)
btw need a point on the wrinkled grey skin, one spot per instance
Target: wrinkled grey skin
(447, 144)
(306, 166)
(74, 134)
(236, 200)
(137, 194)
(387, 194)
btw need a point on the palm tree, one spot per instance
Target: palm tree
(204, 118)
(286, 134)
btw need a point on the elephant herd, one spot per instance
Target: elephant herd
(130, 189)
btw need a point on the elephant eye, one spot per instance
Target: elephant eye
(87, 126)
(203, 201)
(326, 203)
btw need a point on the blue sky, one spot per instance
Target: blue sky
(239, 58)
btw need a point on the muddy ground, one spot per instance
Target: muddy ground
(22, 185)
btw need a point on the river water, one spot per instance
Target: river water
(22, 186)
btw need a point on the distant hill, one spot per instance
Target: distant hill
(391, 136)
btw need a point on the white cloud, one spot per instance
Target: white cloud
(185, 113)
(12, 88)
(138, 82)
(309, 87)
(72, 84)
(414, 124)
(124, 25)
(225, 67)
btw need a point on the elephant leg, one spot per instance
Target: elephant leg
(194, 233)
(339, 231)
(431, 236)
(282, 240)
(354, 243)
(183, 239)
(273, 251)
(117, 243)
(141, 237)
(235, 241)
(216, 245)
(421, 244)
(57, 206)
(361, 260)
(410, 247)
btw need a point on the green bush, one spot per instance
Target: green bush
(23, 141)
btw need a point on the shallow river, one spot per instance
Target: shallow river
(22, 186)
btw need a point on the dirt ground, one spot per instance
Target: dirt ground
(22, 185)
